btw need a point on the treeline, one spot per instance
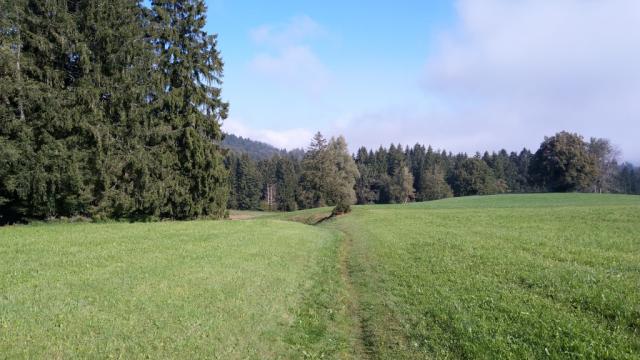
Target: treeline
(109, 108)
(564, 162)
(325, 175)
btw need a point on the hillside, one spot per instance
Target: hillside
(257, 150)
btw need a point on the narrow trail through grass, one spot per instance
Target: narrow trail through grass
(515, 276)
(359, 272)
(361, 349)
(348, 299)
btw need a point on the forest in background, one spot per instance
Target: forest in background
(564, 162)
(256, 150)
(112, 109)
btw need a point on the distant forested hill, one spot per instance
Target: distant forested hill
(257, 150)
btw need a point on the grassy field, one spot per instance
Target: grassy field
(511, 276)
(528, 276)
(205, 289)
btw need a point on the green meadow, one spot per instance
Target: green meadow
(202, 289)
(507, 276)
(528, 276)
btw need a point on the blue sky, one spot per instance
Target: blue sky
(463, 75)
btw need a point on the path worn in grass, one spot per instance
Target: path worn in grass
(502, 276)
(361, 347)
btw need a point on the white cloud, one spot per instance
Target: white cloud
(282, 139)
(294, 66)
(409, 125)
(297, 30)
(289, 60)
(539, 66)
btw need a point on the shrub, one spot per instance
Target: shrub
(340, 209)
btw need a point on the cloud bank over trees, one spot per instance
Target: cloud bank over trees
(501, 73)
(532, 67)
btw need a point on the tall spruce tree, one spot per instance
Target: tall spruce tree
(189, 107)
(365, 193)
(247, 184)
(316, 165)
(116, 90)
(43, 139)
(286, 183)
(14, 139)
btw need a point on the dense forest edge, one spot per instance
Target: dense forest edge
(113, 110)
(565, 162)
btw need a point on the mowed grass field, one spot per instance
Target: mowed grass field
(203, 289)
(509, 276)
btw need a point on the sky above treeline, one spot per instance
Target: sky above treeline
(466, 75)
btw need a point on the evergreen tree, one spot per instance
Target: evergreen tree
(109, 109)
(316, 167)
(43, 134)
(231, 162)
(189, 109)
(267, 169)
(247, 184)
(395, 159)
(416, 158)
(628, 179)
(14, 139)
(521, 181)
(504, 170)
(365, 193)
(287, 183)
(115, 90)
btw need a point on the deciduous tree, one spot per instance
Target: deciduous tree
(433, 185)
(563, 163)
